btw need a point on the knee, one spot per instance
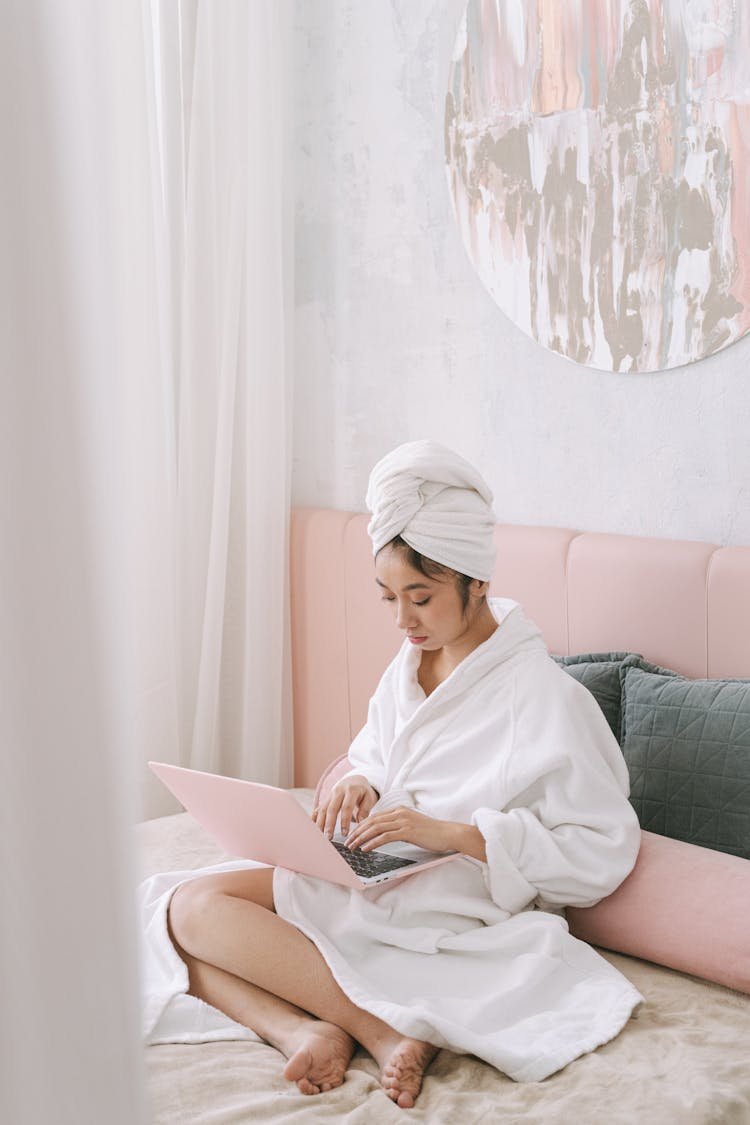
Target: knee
(188, 913)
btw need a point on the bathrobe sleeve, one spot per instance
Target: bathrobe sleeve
(568, 835)
(366, 752)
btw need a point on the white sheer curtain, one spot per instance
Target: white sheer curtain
(76, 318)
(220, 136)
(144, 490)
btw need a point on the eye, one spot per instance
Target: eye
(385, 598)
(422, 603)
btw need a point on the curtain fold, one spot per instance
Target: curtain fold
(223, 217)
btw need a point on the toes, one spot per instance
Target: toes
(307, 1087)
(319, 1065)
(300, 1069)
(298, 1066)
(402, 1098)
(401, 1079)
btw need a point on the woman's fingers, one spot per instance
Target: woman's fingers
(359, 832)
(342, 803)
(351, 802)
(348, 810)
(319, 814)
(401, 825)
(373, 826)
(355, 815)
(366, 804)
(391, 837)
(332, 812)
(325, 815)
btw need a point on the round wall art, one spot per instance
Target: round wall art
(598, 154)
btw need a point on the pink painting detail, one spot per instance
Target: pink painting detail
(598, 156)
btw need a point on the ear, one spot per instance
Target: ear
(479, 589)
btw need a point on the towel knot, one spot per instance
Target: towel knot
(438, 503)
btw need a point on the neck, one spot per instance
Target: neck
(478, 631)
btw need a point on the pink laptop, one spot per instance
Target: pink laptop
(260, 822)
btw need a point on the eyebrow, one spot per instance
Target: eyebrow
(411, 586)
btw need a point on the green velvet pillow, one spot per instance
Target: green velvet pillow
(600, 673)
(687, 746)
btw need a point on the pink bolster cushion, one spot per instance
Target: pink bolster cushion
(681, 906)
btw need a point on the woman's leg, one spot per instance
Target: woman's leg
(227, 921)
(318, 1053)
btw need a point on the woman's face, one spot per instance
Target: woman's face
(429, 610)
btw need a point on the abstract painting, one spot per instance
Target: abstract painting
(598, 157)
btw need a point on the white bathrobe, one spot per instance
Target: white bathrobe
(471, 956)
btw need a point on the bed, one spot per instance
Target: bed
(666, 621)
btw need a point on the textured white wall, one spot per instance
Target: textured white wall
(397, 339)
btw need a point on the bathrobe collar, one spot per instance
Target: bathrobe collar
(514, 635)
(422, 718)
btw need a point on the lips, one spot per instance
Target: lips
(417, 640)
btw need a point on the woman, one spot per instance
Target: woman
(477, 742)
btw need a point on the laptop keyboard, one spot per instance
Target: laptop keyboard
(367, 864)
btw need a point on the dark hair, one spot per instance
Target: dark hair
(435, 570)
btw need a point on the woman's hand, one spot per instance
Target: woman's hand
(407, 826)
(352, 797)
(404, 825)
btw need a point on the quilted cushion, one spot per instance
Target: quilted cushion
(687, 745)
(600, 673)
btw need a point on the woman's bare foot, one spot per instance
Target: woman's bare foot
(402, 1063)
(318, 1058)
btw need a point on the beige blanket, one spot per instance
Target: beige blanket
(683, 1060)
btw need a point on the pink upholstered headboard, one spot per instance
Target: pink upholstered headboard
(682, 604)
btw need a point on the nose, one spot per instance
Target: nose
(404, 615)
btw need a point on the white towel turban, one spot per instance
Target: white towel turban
(437, 503)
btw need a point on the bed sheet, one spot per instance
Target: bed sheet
(682, 1059)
